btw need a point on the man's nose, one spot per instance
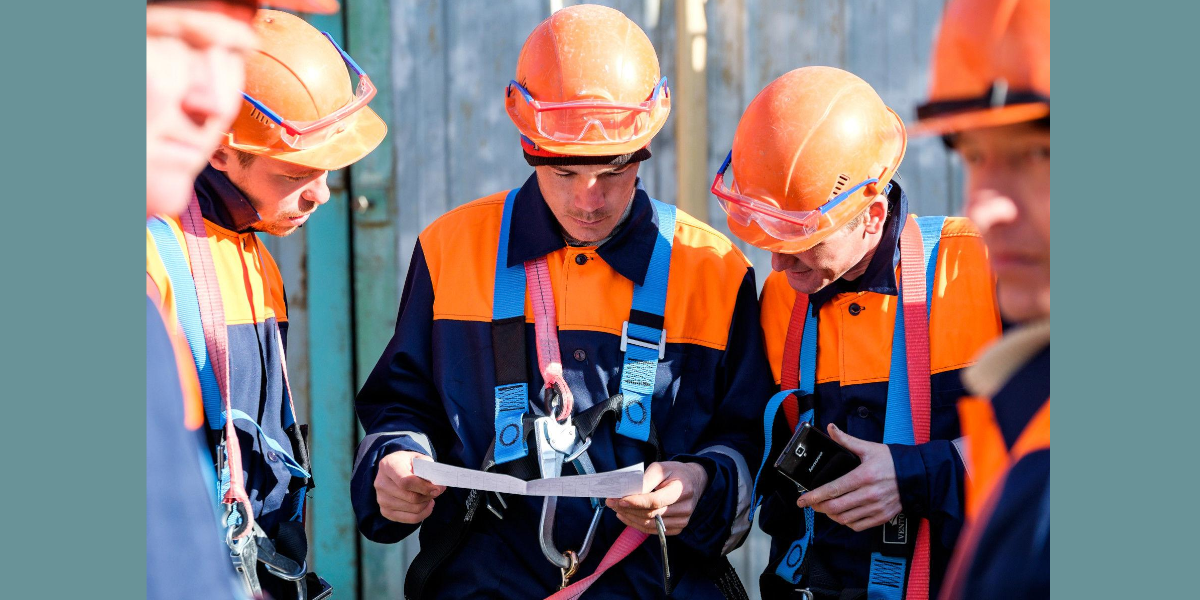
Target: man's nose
(781, 262)
(588, 195)
(317, 190)
(991, 201)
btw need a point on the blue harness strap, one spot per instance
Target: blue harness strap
(644, 339)
(886, 581)
(187, 309)
(508, 302)
(887, 572)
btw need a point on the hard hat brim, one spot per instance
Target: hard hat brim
(980, 119)
(360, 138)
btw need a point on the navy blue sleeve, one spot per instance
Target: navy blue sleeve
(931, 481)
(398, 406)
(186, 556)
(733, 443)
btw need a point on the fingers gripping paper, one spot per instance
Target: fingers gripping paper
(613, 484)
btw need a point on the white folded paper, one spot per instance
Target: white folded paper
(613, 484)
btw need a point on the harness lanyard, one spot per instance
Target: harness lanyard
(907, 417)
(201, 315)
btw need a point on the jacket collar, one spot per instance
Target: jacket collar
(537, 233)
(997, 364)
(880, 276)
(222, 203)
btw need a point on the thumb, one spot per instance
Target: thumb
(653, 476)
(848, 441)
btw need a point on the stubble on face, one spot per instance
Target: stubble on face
(588, 200)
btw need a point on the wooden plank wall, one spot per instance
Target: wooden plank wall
(441, 66)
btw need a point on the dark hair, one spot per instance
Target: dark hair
(244, 158)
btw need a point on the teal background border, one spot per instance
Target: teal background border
(1124, 471)
(71, 254)
(1125, 484)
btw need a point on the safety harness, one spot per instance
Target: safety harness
(561, 436)
(201, 316)
(907, 418)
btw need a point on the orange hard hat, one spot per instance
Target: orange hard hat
(811, 152)
(588, 84)
(300, 106)
(991, 66)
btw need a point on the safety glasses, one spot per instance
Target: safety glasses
(302, 135)
(611, 122)
(780, 224)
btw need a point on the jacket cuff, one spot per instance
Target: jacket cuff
(719, 523)
(371, 450)
(916, 468)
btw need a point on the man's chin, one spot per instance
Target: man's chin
(806, 283)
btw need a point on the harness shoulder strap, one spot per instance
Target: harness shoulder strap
(643, 336)
(508, 347)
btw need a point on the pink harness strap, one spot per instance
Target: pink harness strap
(626, 543)
(216, 338)
(545, 319)
(916, 328)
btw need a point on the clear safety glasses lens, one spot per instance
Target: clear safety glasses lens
(597, 122)
(303, 135)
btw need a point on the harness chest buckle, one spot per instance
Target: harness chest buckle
(661, 346)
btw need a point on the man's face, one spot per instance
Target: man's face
(195, 55)
(846, 253)
(1008, 197)
(284, 195)
(588, 201)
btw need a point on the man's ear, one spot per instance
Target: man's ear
(221, 159)
(877, 214)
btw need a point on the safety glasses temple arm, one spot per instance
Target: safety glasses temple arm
(345, 56)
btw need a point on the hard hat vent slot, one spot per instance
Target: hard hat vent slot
(842, 180)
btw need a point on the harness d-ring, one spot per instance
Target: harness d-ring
(569, 571)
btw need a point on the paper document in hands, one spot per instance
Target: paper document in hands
(613, 484)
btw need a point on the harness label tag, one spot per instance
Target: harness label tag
(895, 531)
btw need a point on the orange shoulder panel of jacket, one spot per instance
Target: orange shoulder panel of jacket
(193, 400)
(778, 300)
(460, 252)
(965, 316)
(241, 260)
(987, 455)
(707, 272)
(156, 271)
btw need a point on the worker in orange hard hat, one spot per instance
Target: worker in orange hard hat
(195, 51)
(639, 345)
(869, 318)
(303, 112)
(990, 100)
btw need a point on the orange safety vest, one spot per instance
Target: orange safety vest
(989, 461)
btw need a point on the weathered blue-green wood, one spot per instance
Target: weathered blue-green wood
(333, 550)
(892, 43)
(376, 289)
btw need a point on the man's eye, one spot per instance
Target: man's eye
(563, 173)
(615, 173)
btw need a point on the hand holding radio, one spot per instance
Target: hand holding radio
(867, 496)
